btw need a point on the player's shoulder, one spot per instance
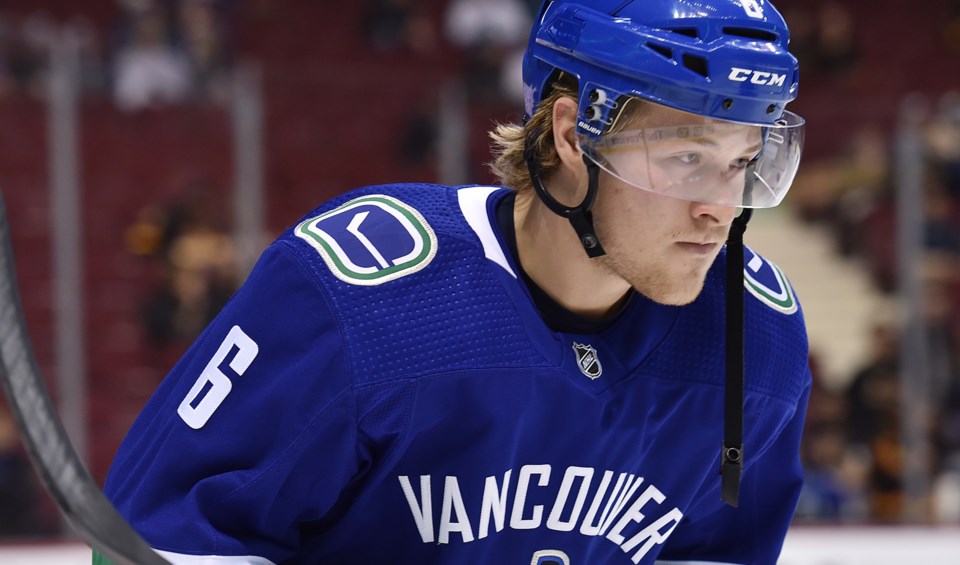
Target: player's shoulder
(405, 271)
(776, 335)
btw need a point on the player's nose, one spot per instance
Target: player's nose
(717, 214)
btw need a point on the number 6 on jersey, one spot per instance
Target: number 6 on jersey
(213, 386)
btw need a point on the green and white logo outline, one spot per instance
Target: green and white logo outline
(782, 299)
(340, 264)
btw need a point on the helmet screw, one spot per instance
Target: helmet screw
(598, 96)
(589, 240)
(771, 108)
(590, 113)
(727, 104)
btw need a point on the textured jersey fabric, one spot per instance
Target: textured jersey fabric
(397, 398)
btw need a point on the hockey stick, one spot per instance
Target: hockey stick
(80, 500)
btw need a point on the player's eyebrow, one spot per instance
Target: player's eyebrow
(707, 142)
(702, 141)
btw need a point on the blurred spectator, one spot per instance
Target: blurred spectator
(196, 263)
(872, 425)
(418, 137)
(874, 400)
(950, 34)
(886, 474)
(24, 45)
(489, 32)
(824, 41)
(843, 190)
(941, 232)
(836, 49)
(511, 78)
(833, 476)
(853, 195)
(398, 25)
(474, 22)
(833, 480)
(203, 39)
(873, 395)
(23, 63)
(148, 70)
(803, 32)
(943, 141)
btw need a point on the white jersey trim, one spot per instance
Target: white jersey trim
(473, 204)
(183, 559)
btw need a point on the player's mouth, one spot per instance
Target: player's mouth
(696, 248)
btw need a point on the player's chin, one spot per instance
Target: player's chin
(680, 293)
(677, 298)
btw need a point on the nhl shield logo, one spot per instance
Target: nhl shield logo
(587, 360)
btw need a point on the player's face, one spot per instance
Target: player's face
(664, 246)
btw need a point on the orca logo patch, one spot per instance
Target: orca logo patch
(767, 283)
(371, 240)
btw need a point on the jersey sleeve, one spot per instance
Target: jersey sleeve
(754, 531)
(252, 433)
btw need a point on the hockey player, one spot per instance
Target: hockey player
(547, 373)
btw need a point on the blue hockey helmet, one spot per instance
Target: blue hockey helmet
(725, 59)
(722, 64)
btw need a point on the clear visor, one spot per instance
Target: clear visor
(705, 160)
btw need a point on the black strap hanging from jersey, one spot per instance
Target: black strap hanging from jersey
(731, 465)
(580, 216)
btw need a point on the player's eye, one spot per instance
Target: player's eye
(742, 162)
(688, 158)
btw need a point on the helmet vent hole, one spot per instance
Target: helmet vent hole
(665, 51)
(696, 64)
(750, 33)
(687, 31)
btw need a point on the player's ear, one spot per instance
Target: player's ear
(565, 132)
(571, 175)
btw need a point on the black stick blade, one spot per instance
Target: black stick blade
(78, 496)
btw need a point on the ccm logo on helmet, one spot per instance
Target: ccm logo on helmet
(756, 77)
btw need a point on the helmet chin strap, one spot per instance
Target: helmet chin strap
(580, 216)
(731, 465)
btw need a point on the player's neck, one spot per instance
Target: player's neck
(551, 255)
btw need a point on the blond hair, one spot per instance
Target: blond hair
(508, 140)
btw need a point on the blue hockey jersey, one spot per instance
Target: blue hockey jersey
(382, 389)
